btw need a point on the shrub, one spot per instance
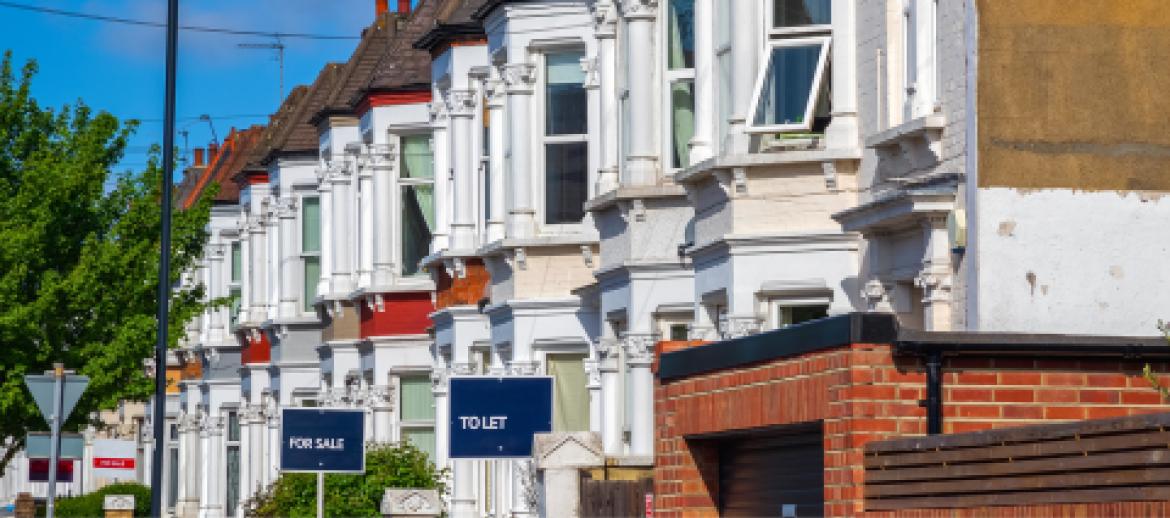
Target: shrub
(400, 465)
(90, 505)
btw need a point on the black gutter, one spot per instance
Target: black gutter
(447, 32)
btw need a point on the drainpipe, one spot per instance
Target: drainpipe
(933, 400)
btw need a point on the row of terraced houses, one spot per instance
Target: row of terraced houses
(745, 238)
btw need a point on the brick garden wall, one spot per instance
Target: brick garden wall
(862, 393)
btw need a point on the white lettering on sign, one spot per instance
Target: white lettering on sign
(309, 443)
(475, 422)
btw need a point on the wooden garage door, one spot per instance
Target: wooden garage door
(778, 473)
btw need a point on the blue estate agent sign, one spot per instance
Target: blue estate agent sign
(496, 417)
(322, 440)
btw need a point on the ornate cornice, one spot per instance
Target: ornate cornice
(496, 91)
(639, 9)
(519, 77)
(461, 103)
(604, 19)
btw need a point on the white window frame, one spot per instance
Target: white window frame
(396, 204)
(544, 139)
(669, 78)
(416, 424)
(235, 284)
(725, 102)
(228, 444)
(919, 58)
(306, 306)
(772, 30)
(814, 94)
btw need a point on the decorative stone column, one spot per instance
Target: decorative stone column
(842, 132)
(745, 64)
(273, 467)
(286, 264)
(341, 228)
(207, 465)
(325, 193)
(382, 398)
(935, 279)
(259, 440)
(245, 269)
(642, 156)
(463, 500)
(191, 472)
(248, 451)
(701, 147)
(605, 31)
(639, 357)
(593, 388)
(439, 389)
(272, 266)
(217, 262)
(461, 105)
(612, 398)
(497, 130)
(383, 165)
(520, 79)
(442, 173)
(259, 255)
(365, 243)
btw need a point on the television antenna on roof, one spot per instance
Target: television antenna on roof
(279, 48)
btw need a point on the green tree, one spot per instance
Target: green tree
(79, 254)
(401, 465)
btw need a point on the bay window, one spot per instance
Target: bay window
(310, 249)
(792, 91)
(680, 80)
(416, 185)
(566, 147)
(417, 412)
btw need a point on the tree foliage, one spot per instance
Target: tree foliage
(401, 465)
(91, 505)
(79, 255)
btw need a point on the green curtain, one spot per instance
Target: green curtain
(417, 160)
(234, 308)
(310, 225)
(682, 114)
(681, 23)
(312, 276)
(237, 261)
(421, 438)
(570, 395)
(417, 400)
(418, 215)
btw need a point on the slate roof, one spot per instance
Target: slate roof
(403, 67)
(355, 74)
(454, 21)
(291, 130)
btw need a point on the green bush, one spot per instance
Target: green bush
(294, 495)
(90, 505)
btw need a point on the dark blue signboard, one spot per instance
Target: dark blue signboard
(494, 417)
(322, 440)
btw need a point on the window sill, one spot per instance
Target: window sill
(707, 167)
(929, 127)
(602, 202)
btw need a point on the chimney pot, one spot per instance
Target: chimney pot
(212, 150)
(380, 7)
(404, 6)
(198, 157)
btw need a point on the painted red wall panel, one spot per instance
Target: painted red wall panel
(405, 313)
(257, 350)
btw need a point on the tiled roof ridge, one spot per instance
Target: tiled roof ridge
(355, 74)
(223, 165)
(403, 66)
(295, 131)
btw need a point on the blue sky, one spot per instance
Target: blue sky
(119, 68)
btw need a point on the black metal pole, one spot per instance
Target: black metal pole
(164, 266)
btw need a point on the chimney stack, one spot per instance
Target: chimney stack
(404, 6)
(380, 8)
(212, 150)
(198, 157)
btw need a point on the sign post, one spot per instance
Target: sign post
(322, 440)
(56, 393)
(496, 417)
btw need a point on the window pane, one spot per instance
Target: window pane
(310, 225)
(565, 113)
(682, 116)
(173, 474)
(570, 395)
(237, 261)
(418, 220)
(233, 426)
(312, 277)
(421, 438)
(565, 186)
(417, 400)
(233, 479)
(790, 315)
(487, 190)
(794, 13)
(681, 43)
(787, 86)
(678, 332)
(234, 307)
(416, 157)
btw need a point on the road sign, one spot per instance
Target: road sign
(38, 445)
(496, 417)
(38, 470)
(322, 440)
(114, 458)
(41, 386)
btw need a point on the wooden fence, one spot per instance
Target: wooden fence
(615, 498)
(1107, 460)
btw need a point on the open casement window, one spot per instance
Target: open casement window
(680, 81)
(416, 183)
(417, 412)
(570, 394)
(310, 249)
(791, 93)
(566, 147)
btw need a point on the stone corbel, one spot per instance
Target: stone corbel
(438, 112)
(337, 312)
(254, 335)
(639, 9)
(520, 258)
(461, 103)
(877, 296)
(604, 22)
(638, 210)
(519, 77)
(587, 255)
(459, 264)
(589, 66)
(830, 170)
(282, 331)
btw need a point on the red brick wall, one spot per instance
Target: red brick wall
(1115, 509)
(863, 394)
